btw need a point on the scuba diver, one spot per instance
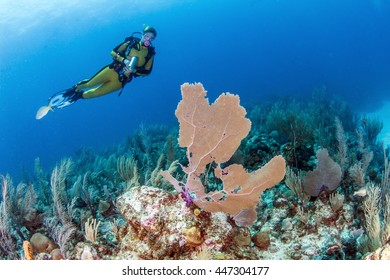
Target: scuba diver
(132, 58)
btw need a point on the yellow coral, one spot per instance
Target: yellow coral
(196, 212)
(28, 251)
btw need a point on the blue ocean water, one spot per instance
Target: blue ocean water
(257, 49)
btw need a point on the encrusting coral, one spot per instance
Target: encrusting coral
(161, 226)
(193, 236)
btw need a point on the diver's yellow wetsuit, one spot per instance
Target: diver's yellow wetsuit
(113, 77)
(132, 58)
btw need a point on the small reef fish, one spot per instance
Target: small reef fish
(58, 100)
(361, 192)
(43, 112)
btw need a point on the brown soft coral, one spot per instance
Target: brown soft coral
(42, 244)
(327, 175)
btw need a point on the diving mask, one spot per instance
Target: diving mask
(147, 39)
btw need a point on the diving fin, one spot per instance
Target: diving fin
(65, 98)
(60, 100)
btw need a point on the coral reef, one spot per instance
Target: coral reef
(334, 202)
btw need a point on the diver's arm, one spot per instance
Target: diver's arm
(116, 56)
(118, 53)
(147, 69)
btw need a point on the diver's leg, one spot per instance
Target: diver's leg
(107, 78)
(103, 89)
(103, 76)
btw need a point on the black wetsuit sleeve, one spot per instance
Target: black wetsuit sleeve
(148, 67)
(144, 71)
